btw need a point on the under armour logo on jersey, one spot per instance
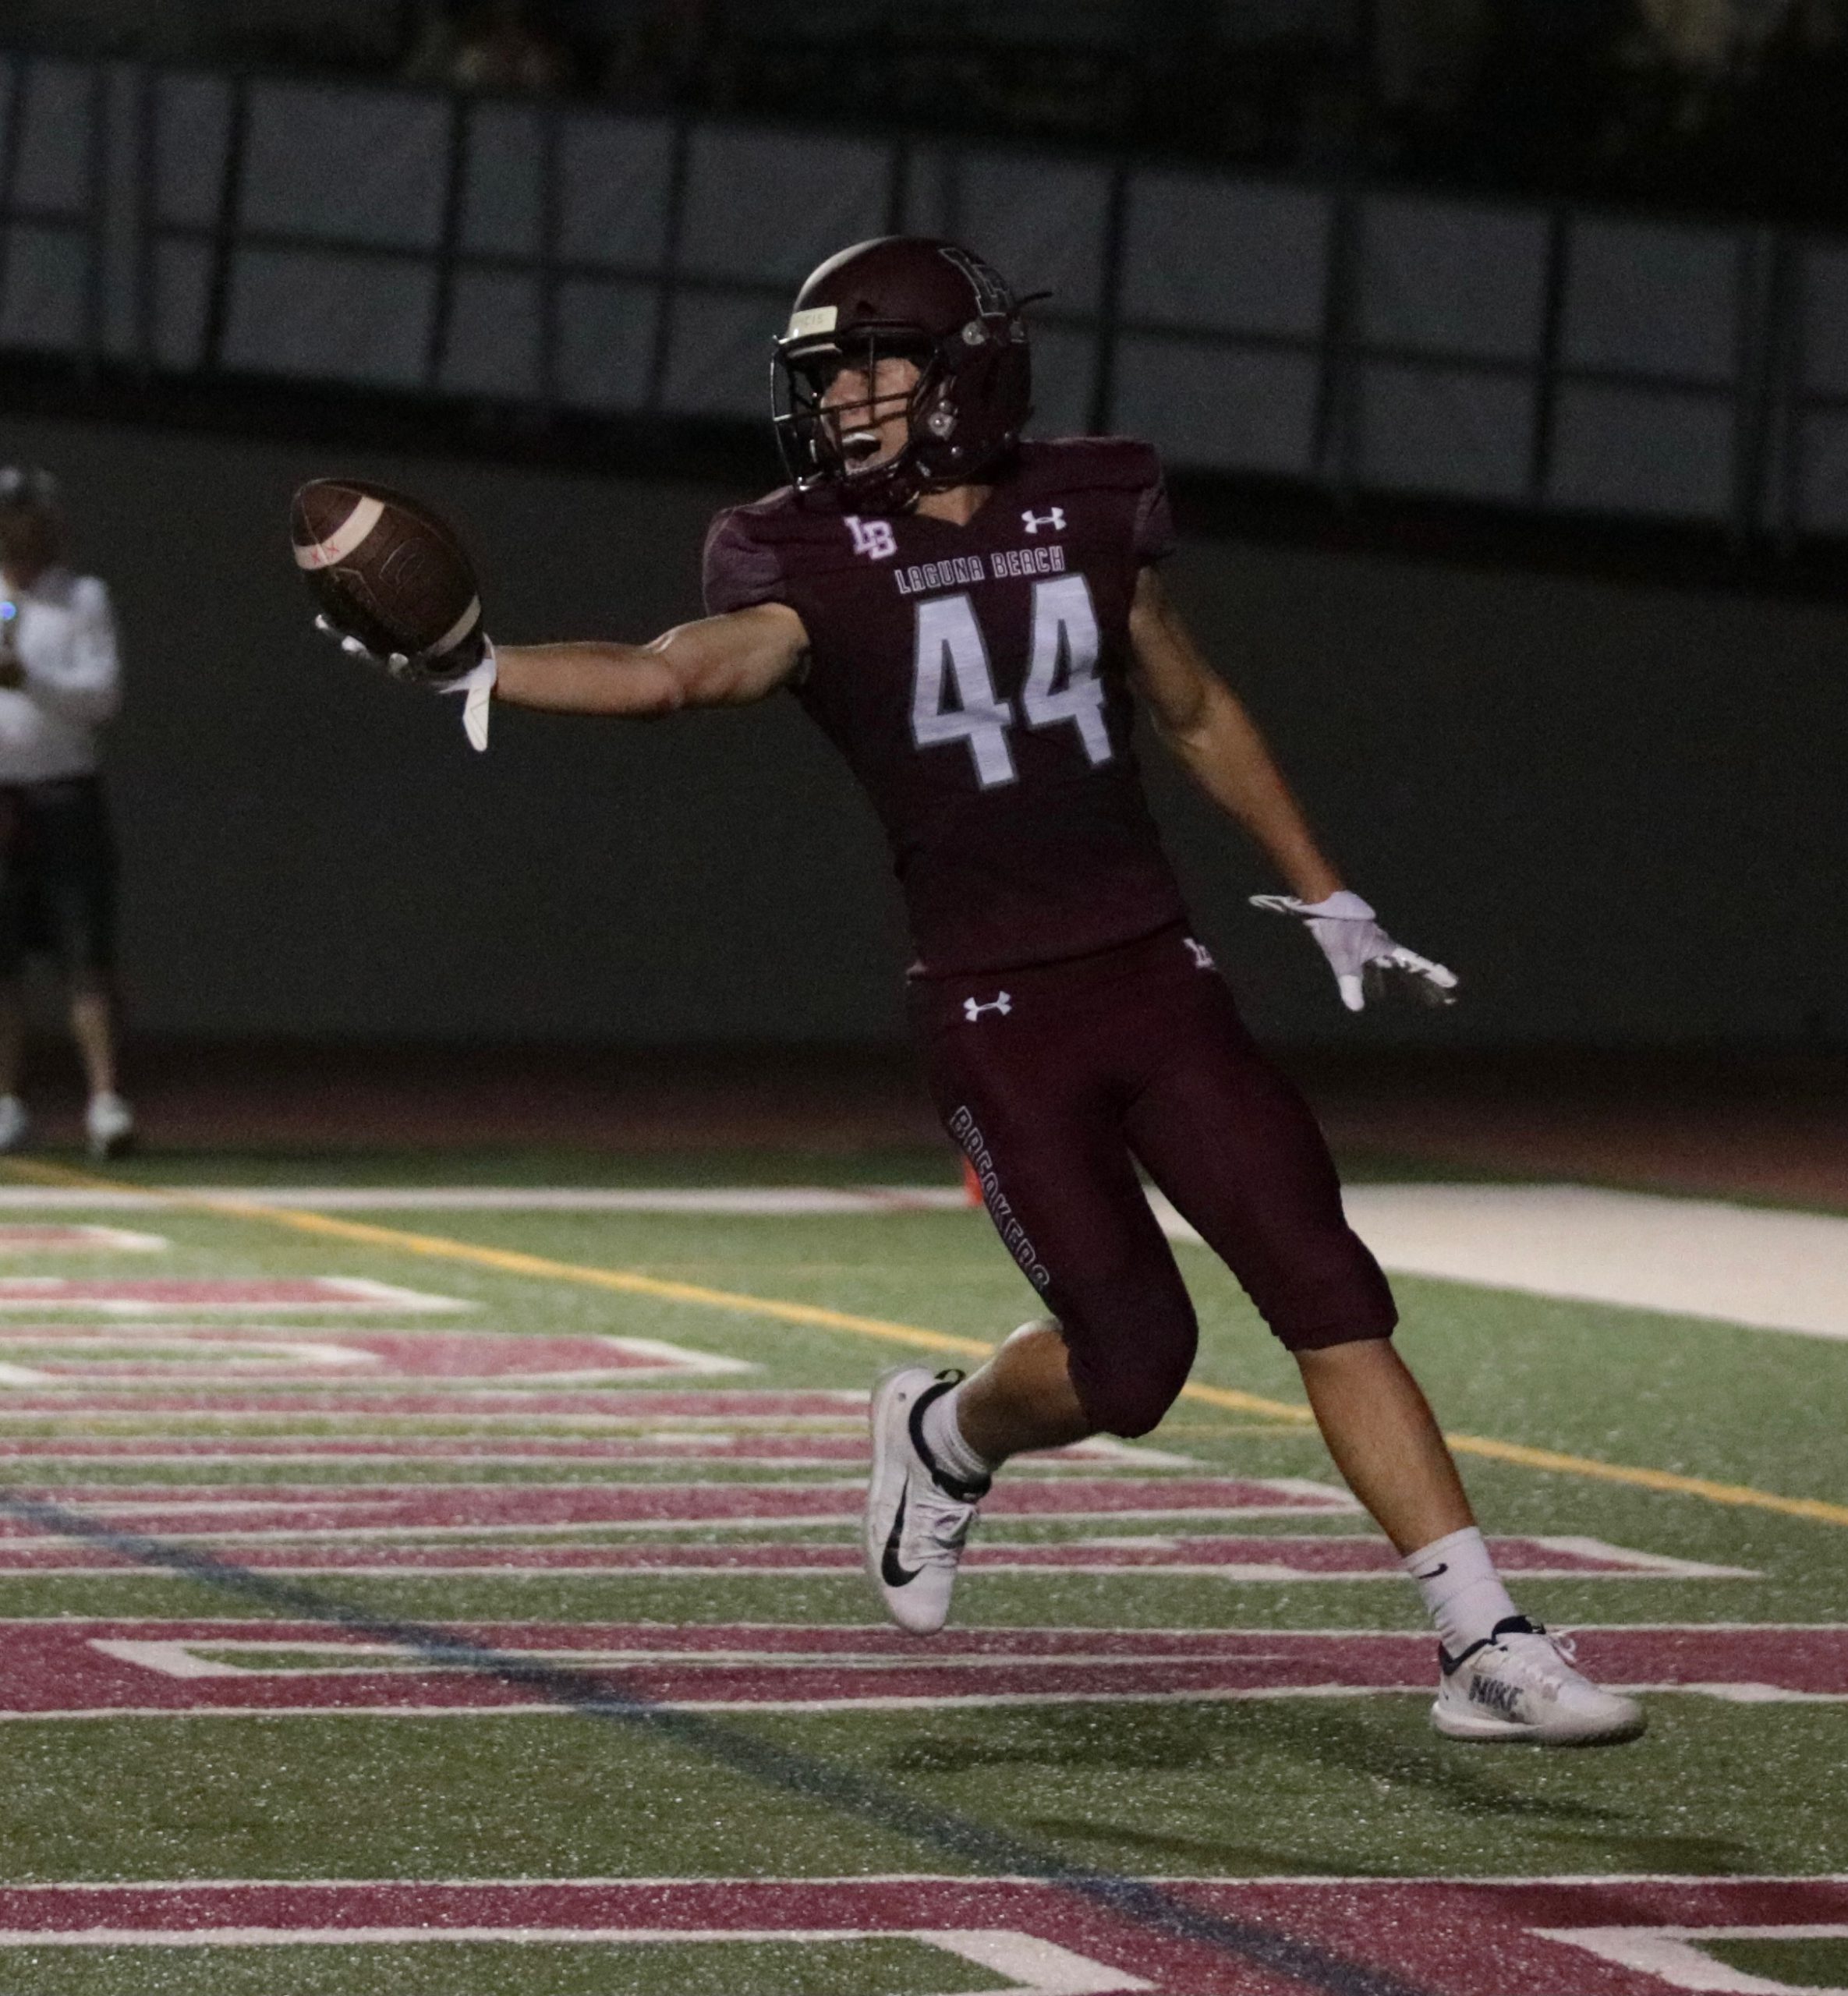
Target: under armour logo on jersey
(1202, 955)
(871, 538)
(1034, 521)
(1001, 1003)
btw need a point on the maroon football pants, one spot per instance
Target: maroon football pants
(1057, 1080)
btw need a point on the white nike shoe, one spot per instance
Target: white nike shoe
(109, 1123)
(1518, 1683)
(15, 1125)
(918, 1514)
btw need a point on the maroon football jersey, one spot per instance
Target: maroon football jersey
(975, 679)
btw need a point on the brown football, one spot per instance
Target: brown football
(383, 569)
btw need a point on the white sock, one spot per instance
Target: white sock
(1463, 1592)
(944, 1437)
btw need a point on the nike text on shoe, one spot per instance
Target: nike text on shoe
(109, 1123)
(1518, 1683)
(917, 1515)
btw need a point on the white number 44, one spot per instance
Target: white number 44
(952, 692)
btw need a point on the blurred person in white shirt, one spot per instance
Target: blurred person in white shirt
(60, 681)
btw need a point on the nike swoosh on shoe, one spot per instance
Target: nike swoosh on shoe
(891, 1571)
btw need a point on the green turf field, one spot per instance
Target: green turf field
(317, 1516)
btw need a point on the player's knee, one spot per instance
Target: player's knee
(1132, 1387)
(1132, 1406)
(1138, 1409)
(1338, 1296)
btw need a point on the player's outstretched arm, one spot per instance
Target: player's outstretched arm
(1205, 725)
(724, 661)
(1203, 721)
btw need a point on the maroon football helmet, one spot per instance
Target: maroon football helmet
(931, 302)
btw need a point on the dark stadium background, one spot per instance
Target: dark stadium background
(1593, 758)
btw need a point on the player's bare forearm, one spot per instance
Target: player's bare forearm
(1229, 758)
(1219, 745)
(586, 679)
(716, 662)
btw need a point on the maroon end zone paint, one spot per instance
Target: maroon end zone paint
(513, 1402)
(747, 1406)
(198, 1667)
(82, 1358)
(316, 1292)
(788, 1451)
(35, 1237)
(238, 1514)
(789, 1448)
(1462, 1938)
(1240, 1556)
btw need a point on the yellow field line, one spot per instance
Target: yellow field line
(509, 1261)
(1743, 1494)
(628, 1281)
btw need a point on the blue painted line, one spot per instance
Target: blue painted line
(984, 1848)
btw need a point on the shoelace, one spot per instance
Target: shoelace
(942, 1522)
(1533, 1660)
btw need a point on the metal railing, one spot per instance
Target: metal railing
(553, 257)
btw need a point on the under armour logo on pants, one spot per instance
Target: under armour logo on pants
(971, 1011)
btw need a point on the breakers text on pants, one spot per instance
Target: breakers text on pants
(962, 1128)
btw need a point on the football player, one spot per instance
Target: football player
(971, 619)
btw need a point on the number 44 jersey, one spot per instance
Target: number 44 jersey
(976, 679)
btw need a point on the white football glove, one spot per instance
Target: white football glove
(1365, 959)
(475, 683)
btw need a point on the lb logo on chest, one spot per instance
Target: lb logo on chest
(874, 539)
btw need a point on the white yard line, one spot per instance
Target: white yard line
(1677, 1956)
(774, 1201)
(630, 1882)
(29, 1239)
(930, 1701)
(1034, 1967)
